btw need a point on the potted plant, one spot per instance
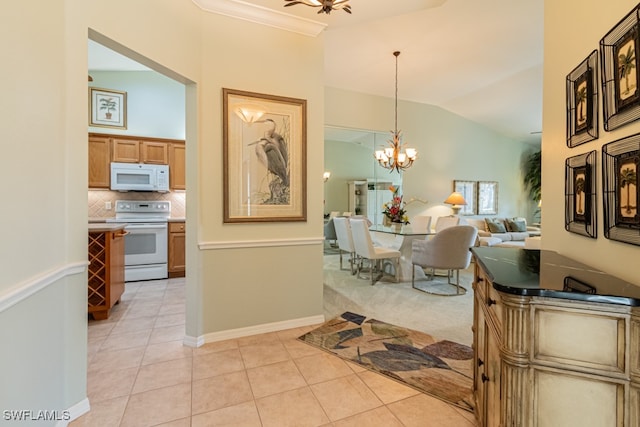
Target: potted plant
(533, 177)
(108, 104)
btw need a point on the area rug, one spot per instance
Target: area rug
(442, 369)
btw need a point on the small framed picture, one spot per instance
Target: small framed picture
(582, 102)
(487, 197)
(580, 194)
(468, 191)
(107, 108)
(620, 72)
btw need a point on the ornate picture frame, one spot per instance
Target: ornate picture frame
(582, 102)
(580, 195)
(107, 108)
(487, 198)
(620, 166)
(621, 72)
(264, 157)
(468, 190)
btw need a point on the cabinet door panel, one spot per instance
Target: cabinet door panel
(126, 151)
(177, 167)
(154, 153)
(99, 162)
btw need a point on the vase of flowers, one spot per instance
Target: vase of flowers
(394, 211)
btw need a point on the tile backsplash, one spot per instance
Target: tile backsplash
(99, 198)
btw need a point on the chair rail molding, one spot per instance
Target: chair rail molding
(34, 284)
(235, 244)
(262, 15)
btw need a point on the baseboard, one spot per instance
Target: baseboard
(75, 412)
(252, 330)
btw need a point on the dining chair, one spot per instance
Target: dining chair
(448, 250)
(345, 241)
(445, 222)
(375, 255)
(346, 214)
(421, 223)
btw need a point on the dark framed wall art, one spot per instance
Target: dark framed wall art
(621, 72)
(582, 102)
(620, 161)
(264, 157)
(580, 195)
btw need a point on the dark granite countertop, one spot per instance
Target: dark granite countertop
(545, 273)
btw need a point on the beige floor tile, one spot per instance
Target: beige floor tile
(275, 378)
(108, 385)
(212, 364)
(98, 329)
(379, 417)
(291, 334)
(426, 411)
(259, 339)
(298, 349)
(162, 374)
(128, 325)
(344, 397)
(166, 351)
(151, 407)
(386, 389)
(106, 413)
(183, 422)
(322, 367)
(295, 408)
(214, 347)
(264, 354)
(128, 340)
(142, 309)
(118, 359)
(170, 320)
(242, 415)
(221, 391)
(170, 333)
(178, 308)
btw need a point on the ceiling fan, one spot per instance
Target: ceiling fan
(326, 5)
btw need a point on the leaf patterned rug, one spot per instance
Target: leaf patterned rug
(442, 369)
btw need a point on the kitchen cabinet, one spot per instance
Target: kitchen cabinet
(555, 342)
(177, 257)
(177, 167)
(133, 151)
(106, 268)
(99, 161)
(125, 150)
(154, 152)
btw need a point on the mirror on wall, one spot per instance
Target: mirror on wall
(357, 183)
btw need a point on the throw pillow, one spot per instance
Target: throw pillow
(517, 225)
(495, 225)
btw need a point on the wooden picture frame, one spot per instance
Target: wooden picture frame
(620, 72)
(468, 190)
(580, 194)
(487, 198)
(107, 108)
(264, 157)
(621, 189)
(582, 102)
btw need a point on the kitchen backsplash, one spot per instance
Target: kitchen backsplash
(98, 200)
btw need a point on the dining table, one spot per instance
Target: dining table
(400, 238)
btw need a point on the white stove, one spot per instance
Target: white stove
(145, 245)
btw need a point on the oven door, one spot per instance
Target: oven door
(145, 249)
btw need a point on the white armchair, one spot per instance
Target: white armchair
(345, 241)
(447, 250)
(375, 254)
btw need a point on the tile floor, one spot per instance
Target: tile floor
(140, 374)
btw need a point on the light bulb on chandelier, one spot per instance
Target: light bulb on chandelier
(394, 157)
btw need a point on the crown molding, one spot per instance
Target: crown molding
(262, 15)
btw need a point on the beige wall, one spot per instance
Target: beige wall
(449, 148)
(564, 50)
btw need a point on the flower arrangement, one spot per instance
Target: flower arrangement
(394, 210)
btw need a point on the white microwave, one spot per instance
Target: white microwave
(139, 177)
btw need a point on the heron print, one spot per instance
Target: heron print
(268, 161)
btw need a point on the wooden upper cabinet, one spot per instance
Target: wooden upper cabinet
(154, 152)
(126, 150)
(177, 168)
(99, 162)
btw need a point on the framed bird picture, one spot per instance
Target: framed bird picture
(264, 155)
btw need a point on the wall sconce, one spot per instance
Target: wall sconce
(326, 175)
(456, 200)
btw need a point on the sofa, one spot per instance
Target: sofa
(504, 232)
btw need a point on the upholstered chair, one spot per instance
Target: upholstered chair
(449, 249)
(445, 222)
(345, 241)
(421, 223)
(375, 255)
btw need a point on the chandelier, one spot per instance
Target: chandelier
(326, 5)
(394, 157)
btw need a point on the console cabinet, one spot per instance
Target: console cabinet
(546, 361)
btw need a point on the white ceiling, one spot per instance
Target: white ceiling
(479, 59)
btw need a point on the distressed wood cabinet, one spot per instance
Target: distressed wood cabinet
(553, 348)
